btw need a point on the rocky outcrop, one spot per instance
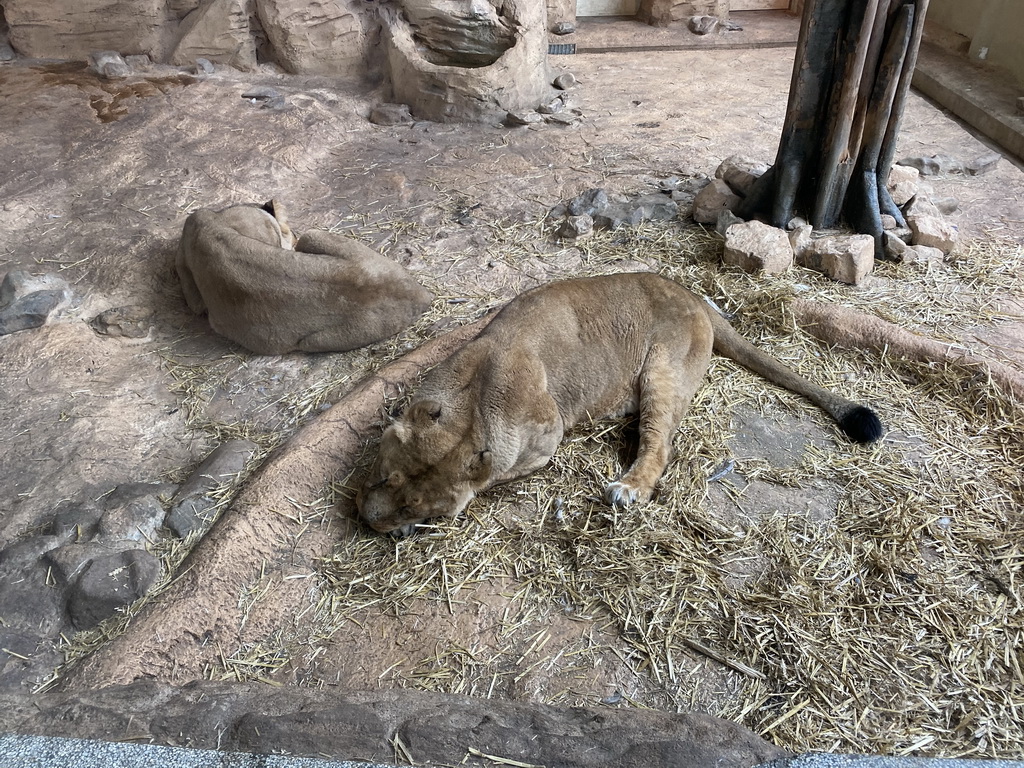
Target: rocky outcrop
(502, 66)
(661, 13)
(217, 30)
(313, 37)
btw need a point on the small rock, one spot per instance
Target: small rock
(564, 119)
(757, 247)
(31, 311)
(128, 322)
(921, 254)
(902, 183)
(138, 62)
(712, 200)
(936, 165)
(669, 185)
(18, 283)
(109, 583)
(6, 52)
(903, 233)
(552, 107)
(576, 227)
(563, 28)
(523, 118)
(983, 164)
(590, 202)
(893, 247)
(725, 220)
(844, 258)
(109, 64)
(800, 238)
(795, 223)
(888, 222)
(933, 231)
(137, 521)
(740, 173)
(946, 205)
(656, 207)
(193, 499)
(391, 114)
(565, 81)
(204, 67)
(702, 25)
(615, 215)
(920, 205)
(558, 211)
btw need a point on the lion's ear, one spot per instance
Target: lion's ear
(424, 413)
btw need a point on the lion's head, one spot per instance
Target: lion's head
(429, 465)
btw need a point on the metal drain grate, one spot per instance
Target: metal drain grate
(561, 49)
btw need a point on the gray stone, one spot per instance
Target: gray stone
(193, 499)
(615, 215)
(391, 114)
(6, 52)
(946, 205)
(757, 247)
(204, 66)
(564, 119)
(128, 322)
(67, 562)
(844, 258)
(18, 283)
(590, 202)
(933, 231)
(712, 200)
(740, 173)
(75, 520)
(109, 65)
(137, 520)
(563, 28)
(920, 205)
(109, 583)
(31, 311)
(657, 207)
(460, 34)
(725, 220)
(936, 165)
(921, 254)
(902, 183)
(702, 25)
(565, 81)
(893, 247)
(551, 107)
(576, 227)
(983, 163)
(523, 118)
(888, 222)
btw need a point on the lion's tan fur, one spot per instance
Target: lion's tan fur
(330, 294)
(561, 353)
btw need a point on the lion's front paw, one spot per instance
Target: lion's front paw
(620, 494)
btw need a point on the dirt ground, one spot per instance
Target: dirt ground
(96, 182)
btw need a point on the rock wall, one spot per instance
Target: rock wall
(328, 37)
(661, 13)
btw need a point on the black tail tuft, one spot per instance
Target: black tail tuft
(861, 425)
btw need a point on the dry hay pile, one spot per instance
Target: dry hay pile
(893, 624)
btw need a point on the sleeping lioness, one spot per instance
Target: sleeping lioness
(578, 349)
(328, 294)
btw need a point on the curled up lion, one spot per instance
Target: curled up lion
(566, 351)
(271, 293)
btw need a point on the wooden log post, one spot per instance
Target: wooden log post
(854, 63)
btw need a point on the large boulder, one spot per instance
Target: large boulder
(321, 38)
(217, 30)
(467, 60)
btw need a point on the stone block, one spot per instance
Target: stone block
(933, 231)
(712, 200)
(740, 173)
(757, 247)
(844, 258)
(902, 183)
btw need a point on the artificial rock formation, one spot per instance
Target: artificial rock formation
(456, 60)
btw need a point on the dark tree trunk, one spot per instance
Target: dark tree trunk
(854, 63)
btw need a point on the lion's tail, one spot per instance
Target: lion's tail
(858, 421)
